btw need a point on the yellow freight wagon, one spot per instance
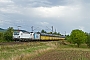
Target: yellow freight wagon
(44, 36)
(47, 37)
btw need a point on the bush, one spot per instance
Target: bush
(6, 36)
(88, 40)
(1, 37)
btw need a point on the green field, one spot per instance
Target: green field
(31, 50)
(23, 51)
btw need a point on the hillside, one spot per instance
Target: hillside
(2, 30)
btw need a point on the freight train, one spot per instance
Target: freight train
(22, 35)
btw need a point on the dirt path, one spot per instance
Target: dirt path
(64, 55)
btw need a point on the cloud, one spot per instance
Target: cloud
(44, 23)
(6, 1)
(64, 15)
(56, 11)
(8, 6)
(9, 10)
(1, 22)
(31, 3)
(45, 12)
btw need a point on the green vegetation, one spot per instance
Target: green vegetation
(88, 40)
(7, 35)
(77, 37)
(25, 50)
(56, 33)
(30, 50)
(1, 37)
(43, 31)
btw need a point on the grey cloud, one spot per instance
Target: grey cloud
(31, 3)
(26, 17)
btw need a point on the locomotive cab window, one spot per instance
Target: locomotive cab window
(16, 33)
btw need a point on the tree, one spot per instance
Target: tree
(1, 36)
(68, 38)
(77, 37)
(43, 31)
(49, 33)
(58, 33)
(88, 39)
(55, 33)
(8, 35)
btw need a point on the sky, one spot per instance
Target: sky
(63, 15)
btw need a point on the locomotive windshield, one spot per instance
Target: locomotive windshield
(16, 32)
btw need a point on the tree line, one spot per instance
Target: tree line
(56, 33)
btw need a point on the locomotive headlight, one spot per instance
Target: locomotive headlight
(18, 36)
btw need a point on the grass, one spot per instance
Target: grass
(26, 51)
(16, 52)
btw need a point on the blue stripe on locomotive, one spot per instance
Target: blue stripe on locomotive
(36, 36)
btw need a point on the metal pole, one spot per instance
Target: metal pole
(65, 33)
(52, 29)
(32, 28)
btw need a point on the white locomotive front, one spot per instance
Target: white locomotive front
(22, 35)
